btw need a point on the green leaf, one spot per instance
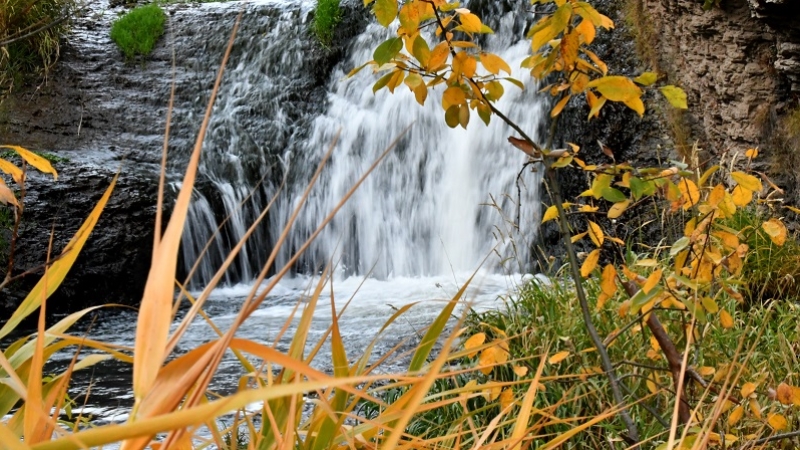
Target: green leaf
(485, 113)
(679, 246)
(387, 50)
(385, 11)
(451, 116)
(494, 90)
(613, 195)
(382, 82)
(675, 96)
(640, 298)
(647, 78)
(515, 82)
(557, 23)
(421, 51)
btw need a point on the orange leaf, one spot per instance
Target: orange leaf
(725, 319)
(748, 389)
(736, 415)
(558, 357)
(776, 231)
(777, 422)
(476, 340)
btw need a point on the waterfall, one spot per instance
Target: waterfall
(425, 210)
(442, 201)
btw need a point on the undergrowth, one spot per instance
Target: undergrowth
(137, 32)
(30, 33)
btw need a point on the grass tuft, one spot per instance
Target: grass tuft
(30, 31)
(326, 17)
(137, 32)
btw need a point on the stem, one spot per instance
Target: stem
(608, 367)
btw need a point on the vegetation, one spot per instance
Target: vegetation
(326, 17)
(624, 348)
(137, 32)
(30, 32)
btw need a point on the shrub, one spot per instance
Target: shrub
(136, 32)
(326, 17)
(30, 31)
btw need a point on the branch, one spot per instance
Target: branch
(674, 357)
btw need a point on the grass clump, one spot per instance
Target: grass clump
(30, 32)
(327, 16)
(137, 32)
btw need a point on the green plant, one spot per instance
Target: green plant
(137, 32)
(326, 17)
(30, 31)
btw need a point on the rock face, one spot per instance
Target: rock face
(100, 113)
(739, 63)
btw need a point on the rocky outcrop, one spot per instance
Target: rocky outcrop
(739, 63)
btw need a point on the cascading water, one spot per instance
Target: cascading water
(440, 202)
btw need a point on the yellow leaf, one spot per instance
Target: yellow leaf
(777, 422)
(590, 263)
(635, 104)
(494, 63)
(11, 169)
(652, 382)
(578, 237)
(751, 153)
(506, 398)
(476, 340)
(608, 282)
(736, 415)
(588, 208)
(438, 57)
(569, 49)
(587, 12)
(471, 23)
(748, 389)
(596, 234)
(689, 193)
(453, 95)
(618, 209)
(747, 181)
(487, 360)
(652, 281)
(559, 106)
(558, 357)
(616, 88)
(725, 319)
(741, 196)
(465, 64)
(41, 164)
(550, 214)
(776, 231)
(706, 371)
(520, 371)
(675, 96)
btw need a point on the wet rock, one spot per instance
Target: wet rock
(98, 110)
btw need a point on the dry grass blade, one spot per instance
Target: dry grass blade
(520, 427)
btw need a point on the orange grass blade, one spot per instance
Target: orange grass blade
(10, 440)
(152, 330)
(190, 417)
(57, 271)
(521, 425)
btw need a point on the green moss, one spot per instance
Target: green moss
(137, 32)
(30, 31)
(326, 17)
